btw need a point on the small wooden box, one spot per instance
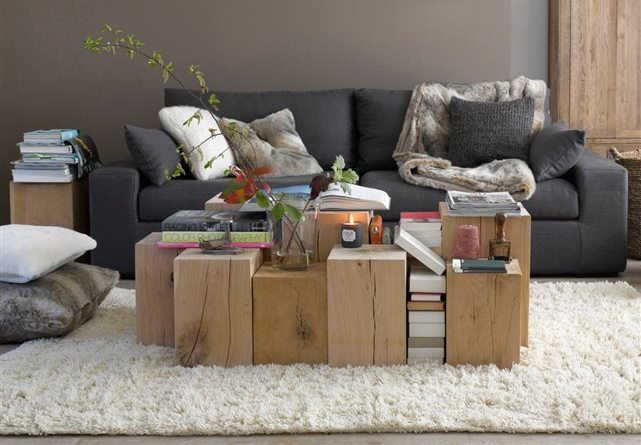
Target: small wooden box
(483, 317)
(517, 230)
(290, 315)
(155, 292)
(213, 307)
(366, 314)
(51, 204)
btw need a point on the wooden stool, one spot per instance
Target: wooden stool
(155, 292)
(290, 315)
(213, 307)
(517, 230)
(482, 316)
(366, 314)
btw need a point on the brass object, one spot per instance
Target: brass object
(500, 247)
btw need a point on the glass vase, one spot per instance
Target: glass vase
(294, 240)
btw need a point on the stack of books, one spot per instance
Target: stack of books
(426, 308)
(46, 157)
(186, 228)
(424, 226)
(426, 316)
(481, 204)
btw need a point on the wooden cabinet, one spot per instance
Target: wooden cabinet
(595, 70)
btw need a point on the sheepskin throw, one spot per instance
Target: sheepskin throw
(422, 146)
(271, 142)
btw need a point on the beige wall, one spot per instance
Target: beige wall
(48, 80)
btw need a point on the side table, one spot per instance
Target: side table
(517, 230)
(213, 307)
(366, 306)
(483, 317)
(51, 204)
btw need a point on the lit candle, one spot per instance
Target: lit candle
(351, 234)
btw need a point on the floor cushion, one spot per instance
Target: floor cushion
(53, 305)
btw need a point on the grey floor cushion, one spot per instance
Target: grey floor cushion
(54, 304)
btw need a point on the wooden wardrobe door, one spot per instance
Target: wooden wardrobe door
(593, 67)
(628, 122)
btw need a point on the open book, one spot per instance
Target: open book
(359, 198)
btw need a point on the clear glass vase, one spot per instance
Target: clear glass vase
(295, 241)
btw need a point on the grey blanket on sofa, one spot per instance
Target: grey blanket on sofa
(422, 145)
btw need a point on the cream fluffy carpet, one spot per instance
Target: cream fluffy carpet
(582, 373)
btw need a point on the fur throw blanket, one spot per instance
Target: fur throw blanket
(422, 146)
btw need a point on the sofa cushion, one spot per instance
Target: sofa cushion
(555, 150)
(325, 120)
(157, 203)
(484, 131)
(154, 152)
(554, 199)
(379, 119)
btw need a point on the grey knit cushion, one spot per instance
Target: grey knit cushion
(484, 131)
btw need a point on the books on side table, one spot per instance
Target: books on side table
(187, 228)
(58, 155)
(481, 204)
(424, 226)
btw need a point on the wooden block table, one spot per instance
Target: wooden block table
(155, 292)
(366, 314)
(45, 204)
(213, 307)
(517, 230)
(290, 315)
(483, 317)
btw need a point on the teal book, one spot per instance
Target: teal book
(479, 266)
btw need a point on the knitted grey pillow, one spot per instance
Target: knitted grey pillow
(481, 132)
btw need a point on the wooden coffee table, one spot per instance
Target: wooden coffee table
(517, 230)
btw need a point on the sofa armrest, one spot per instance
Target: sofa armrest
(603, 213)
(113, 209)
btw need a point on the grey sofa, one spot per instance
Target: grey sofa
(578, 221)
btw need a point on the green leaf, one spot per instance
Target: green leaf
(349, 176)
(278, 211)
(214, 101)
(209, 163)
(339, 163)
(293, 212)
(262, 200)
(346, 188)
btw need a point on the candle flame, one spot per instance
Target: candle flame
(351, 218)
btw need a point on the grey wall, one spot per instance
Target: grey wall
(529, 43)
(48, 80)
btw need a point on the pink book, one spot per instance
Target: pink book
(422, 216)
(164, 245)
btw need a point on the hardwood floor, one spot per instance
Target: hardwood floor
(632, 275)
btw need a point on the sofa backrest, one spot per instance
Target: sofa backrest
(325, 120)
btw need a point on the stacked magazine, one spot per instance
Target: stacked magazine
(481, 204)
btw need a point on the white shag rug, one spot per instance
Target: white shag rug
(581, 374)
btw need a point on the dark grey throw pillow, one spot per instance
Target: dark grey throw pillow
(154, 152)
(555, 150)
(481, 132)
